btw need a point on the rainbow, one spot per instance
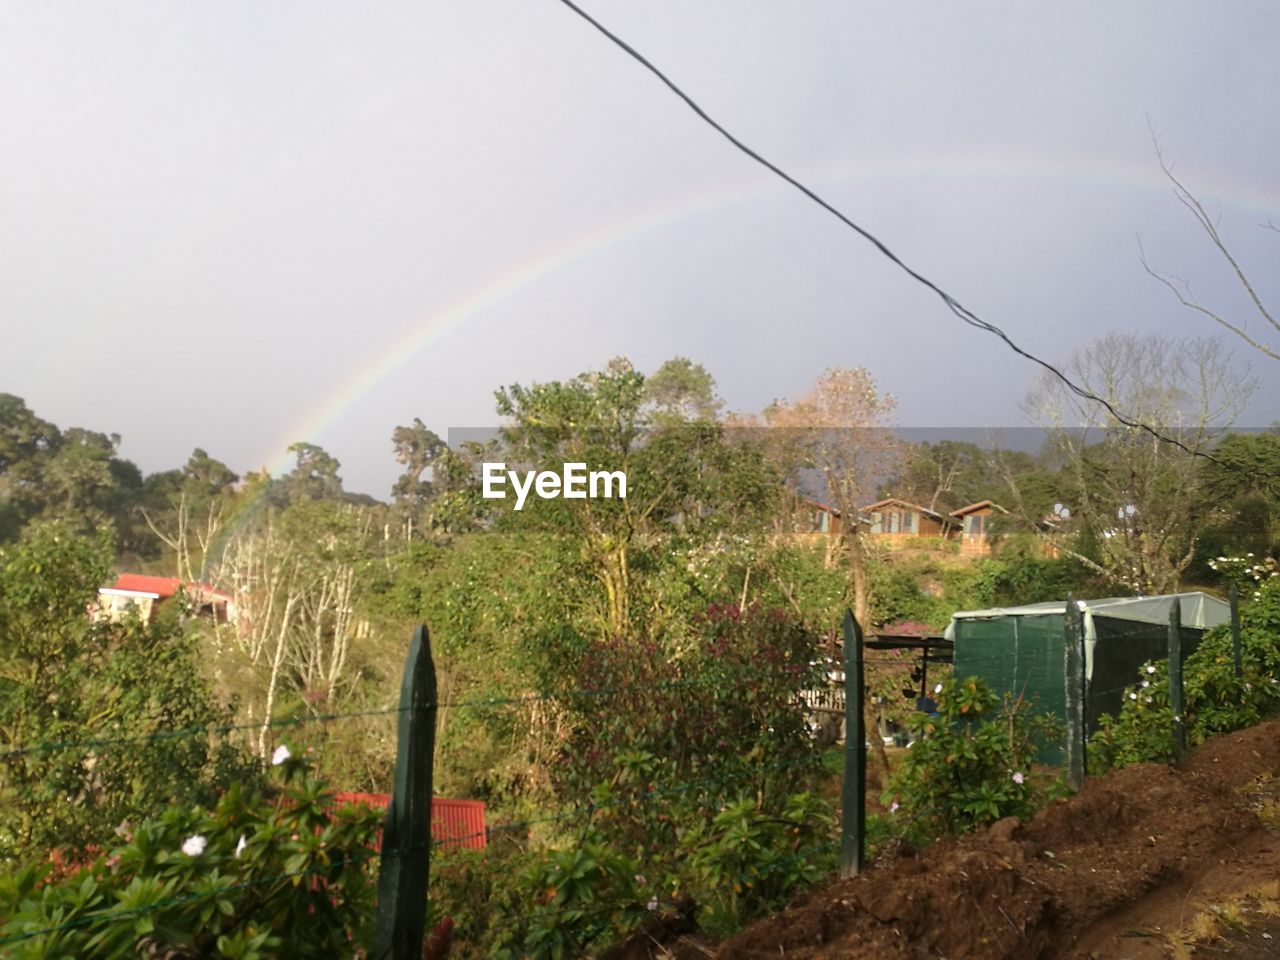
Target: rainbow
(1136, 175)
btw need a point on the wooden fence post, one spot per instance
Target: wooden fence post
(1175, 676)
(853, 819)
(406, 832)
(1074, 692)
(1233, 597)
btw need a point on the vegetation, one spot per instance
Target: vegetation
(618, 679)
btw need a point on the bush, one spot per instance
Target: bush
(971, 764)
(275, 876)
(1214, 699)
(746, 862)
(89, 709)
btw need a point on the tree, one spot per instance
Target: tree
(1140, 500)
(187, 509)
(127, 692)
(681, 391)
(838, 431)
(313, 477)
(418, 450)
(1268, 341)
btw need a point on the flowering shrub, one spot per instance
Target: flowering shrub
(1214, 699)
(971, 764)
(1247, 573)
(277, 876)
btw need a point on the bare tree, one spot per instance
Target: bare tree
(838, 430)
(1268, 342)
(1140, 500)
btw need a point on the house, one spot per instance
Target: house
(894, 519)
(975, 522)
(146, 593)
(818, 517)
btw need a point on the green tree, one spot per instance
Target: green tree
(313, 477)
(121, 690)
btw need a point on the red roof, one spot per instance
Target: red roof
(141, 583)
(167, 587)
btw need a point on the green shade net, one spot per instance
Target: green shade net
(1021, 655)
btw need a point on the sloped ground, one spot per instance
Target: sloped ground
(1076, 881)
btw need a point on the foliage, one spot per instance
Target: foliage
(281, 875)
(1214, 699)
(571, 899)
(746, 861)
(971, 764)
(691, 733)
(67, 678)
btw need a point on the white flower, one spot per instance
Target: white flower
(1145, 684)
(652, 905)
(1133, 696)
(893, 807)
(1151, 669)
(938, 688)
(194, 846)
(240, 846)
(1018, 778)
(280, 756)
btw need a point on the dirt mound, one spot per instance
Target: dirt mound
(1021, 890)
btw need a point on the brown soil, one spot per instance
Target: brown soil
(1108, 873)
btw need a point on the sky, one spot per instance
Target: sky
(237, 225)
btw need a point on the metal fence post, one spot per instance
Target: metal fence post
(1233, 597)
(406, 832)
(1175, 676)
(853, 819)
(1074, 692)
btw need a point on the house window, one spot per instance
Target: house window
(910, 522)
(877, 522)
(975, 525)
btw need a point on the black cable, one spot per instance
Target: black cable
(952, 303)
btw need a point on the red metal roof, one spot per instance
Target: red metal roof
(141, 583)
(458, 822)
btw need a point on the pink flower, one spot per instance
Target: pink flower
(1018, 778)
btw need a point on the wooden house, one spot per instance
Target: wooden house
(975, 526)
(894, 519)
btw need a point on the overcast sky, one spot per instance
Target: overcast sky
(239, 224)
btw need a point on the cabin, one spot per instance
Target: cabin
(894, 519)
(145, 594)
(975, 522)
(818, 517)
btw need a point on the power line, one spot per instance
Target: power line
(952, 303)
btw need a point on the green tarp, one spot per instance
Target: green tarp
(1019, 650)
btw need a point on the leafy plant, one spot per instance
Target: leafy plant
(284, 875)
(746, 861)
(1215, 700)
(971, 764)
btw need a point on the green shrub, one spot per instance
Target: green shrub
(970, 765)
(1214, 699)
(277, 876)
(570, 900)
(746, 861)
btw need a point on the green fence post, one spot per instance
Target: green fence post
(1175, 676)
(1074, 691)
(853, 819)
(406, 832)
(1233, 597)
